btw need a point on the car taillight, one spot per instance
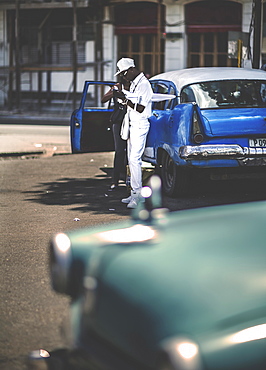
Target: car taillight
(196, 132)
(198, 138)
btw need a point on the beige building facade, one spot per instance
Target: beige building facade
(49, 47)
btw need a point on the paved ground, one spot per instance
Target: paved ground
(44, 196)
(38, 198)
(58, 118)
(24, 139)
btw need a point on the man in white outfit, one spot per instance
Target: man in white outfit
(139, 110)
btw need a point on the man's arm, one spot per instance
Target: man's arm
(107, 96)
(138, 107)
(110, 93)
(135, 106)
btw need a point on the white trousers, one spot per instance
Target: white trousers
(135, 148)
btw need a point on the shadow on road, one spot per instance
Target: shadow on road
(211, 193)
(91, 194)
(82, 195)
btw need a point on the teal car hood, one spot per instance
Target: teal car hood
(192, 276)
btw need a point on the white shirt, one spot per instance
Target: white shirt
(142, 93)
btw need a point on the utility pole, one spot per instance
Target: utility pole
(74, 43)
(257, 33)
(11, 65)
(159, 35)
(17, 55)
(98, 56)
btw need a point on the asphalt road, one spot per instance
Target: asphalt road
(38, 198)
(44, 195)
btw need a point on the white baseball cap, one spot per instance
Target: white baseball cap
(124, 64)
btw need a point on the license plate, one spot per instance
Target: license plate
(258, 143)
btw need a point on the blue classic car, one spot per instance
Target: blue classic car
(215, 125)
(164, 291)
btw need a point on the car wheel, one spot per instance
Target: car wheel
(175, 180)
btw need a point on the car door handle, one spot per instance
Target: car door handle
(156, 115)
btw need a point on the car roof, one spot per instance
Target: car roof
(184, 77)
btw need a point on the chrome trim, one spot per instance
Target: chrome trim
(60, 262)
(90, 285)
(233, 151)
(38, 360)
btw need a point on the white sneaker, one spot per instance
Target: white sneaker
(136, 198)
(126, 200)
(133, 203)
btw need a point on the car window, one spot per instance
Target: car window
(94, 96)
(171, 103)
(226, 94)
(162, 88)
(187, 95)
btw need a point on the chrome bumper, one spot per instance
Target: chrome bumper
(245, 156)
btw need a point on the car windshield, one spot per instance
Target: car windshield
(226, 94)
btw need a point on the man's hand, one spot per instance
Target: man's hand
(119, 94)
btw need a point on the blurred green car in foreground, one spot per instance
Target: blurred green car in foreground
(166, 291)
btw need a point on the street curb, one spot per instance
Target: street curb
(21, 154)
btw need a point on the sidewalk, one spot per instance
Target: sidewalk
(23, 145)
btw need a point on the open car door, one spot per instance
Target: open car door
(90, 126)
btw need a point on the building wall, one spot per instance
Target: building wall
(109, 47)
(247, 12)
(62, 81)
(175, 50)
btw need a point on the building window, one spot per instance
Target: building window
(140, 35)
(143, 49)
(62, 53)
(208, 24)
(47, 36)
(209, 50)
